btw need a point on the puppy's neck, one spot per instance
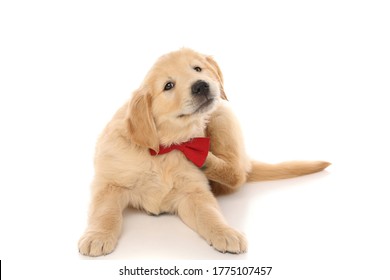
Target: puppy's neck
(176, 132)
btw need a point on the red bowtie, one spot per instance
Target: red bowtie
(195, 150)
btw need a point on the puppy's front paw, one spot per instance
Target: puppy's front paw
(228, 240)
(96, 244)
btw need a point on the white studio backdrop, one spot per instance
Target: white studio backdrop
(307, 79)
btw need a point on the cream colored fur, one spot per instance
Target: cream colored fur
(127, 175)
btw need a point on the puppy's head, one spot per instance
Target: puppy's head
(175, 100)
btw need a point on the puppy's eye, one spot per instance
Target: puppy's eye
(197, 69)
(169, 86)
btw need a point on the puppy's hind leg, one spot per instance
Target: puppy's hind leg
(225, 177)
(105, 220)
(227, 163)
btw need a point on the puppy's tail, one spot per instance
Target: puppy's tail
(289, 169)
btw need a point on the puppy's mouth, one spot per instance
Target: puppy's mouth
(202, 108)
(205, 106)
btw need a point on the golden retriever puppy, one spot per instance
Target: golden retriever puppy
(140, 160)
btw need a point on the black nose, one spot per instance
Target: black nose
(200, 88)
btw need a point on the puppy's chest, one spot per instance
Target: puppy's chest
(174, 169)
(169, 173)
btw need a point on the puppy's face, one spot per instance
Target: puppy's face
(183, 85)
(181, 89)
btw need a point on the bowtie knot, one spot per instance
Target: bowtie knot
(195, 150)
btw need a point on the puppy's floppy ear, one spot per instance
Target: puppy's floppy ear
(218, 73)
(140, 123)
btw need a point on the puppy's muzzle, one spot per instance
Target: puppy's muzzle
(203, 99)
(200, 88)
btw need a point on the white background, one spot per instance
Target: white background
(307, 79)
